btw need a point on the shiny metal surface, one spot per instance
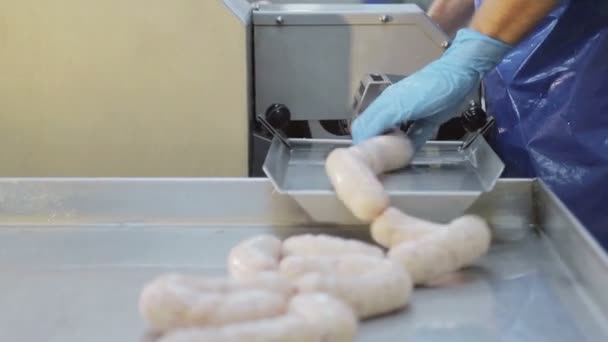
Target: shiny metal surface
(331, 13)
(509, 208)
(311, 55)
(579, 251)
(313, 61)
(143, 201)
(441, 183)
(76, 252)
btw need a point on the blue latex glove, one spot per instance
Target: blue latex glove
(435, 93)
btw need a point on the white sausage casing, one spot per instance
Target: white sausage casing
(257, 254)
(354, 172)
(370, 285)
(321, 244)
(394, 227)
(356, 185)
(311, 317)
(458, 245)
(385, 153)
(173, 301)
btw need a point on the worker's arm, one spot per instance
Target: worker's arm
(438, 91)
(451, 15)
(510, 20)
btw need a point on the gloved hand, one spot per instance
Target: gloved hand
(434, 94)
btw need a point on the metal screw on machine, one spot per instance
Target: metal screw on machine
(279, 20)
(385, 18)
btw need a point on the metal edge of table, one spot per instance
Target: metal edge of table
(182, 201)
(132, 201)
(582, 254)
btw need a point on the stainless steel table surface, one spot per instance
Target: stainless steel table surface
(74, 255)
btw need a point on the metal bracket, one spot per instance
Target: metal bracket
(274, 132)
(480, 132)
(369, 89)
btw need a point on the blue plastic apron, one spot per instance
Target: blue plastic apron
(550, 99)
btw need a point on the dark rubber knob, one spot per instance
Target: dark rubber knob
(278, 116)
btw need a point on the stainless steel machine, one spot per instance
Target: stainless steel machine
(310, 62)
(315, 67)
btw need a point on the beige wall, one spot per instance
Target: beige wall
(122, 88)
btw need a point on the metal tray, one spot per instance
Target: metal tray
(441, 182)
(76, 252)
